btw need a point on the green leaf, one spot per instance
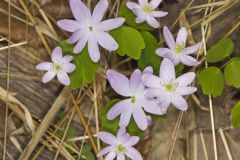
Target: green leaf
(130, 41)
(232, 73)
(85, 68)
(112, 126)
(235, 115)
(211, 81)
(179, 68)
(130, 19)
(109, 125)
(220, 51)
(149, 56)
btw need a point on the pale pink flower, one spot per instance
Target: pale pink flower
(59, 66)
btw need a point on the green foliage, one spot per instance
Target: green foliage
(211, 80)
(149, 56)
(179, 68)
(112, 126)
(220, 51)
(130, 41)
(87, 153)
(85, 68)
(130, 19)
(232, 72)
(235, 115)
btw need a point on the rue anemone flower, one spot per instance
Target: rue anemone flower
(177, 51)
(59, 66)
(119, 146)
(89, 28)
(169, 89)
(145, 11)
(136, 103)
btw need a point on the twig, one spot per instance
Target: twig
(45, 123)
(13, 45)
(203, 145)
(35, 23)
(225, 144)
(83, 121)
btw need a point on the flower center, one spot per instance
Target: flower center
(120, 148)
(147, 9)
(171, 86)
(57, 67)
(90, 28)
(133, 99)
(179, 48)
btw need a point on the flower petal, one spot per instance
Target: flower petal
(121, 132)
(57, 55)
(132, 5)
(105, 151)
(48, 76)
(120, 157)
(179, 102)
(188, 61)
(81, 44)
(182, 36)
(118, 108)
(93, 49)
(45, 66)
(152, 92)
(152, 21)
(165, 102)
(68, 67)
(132, 141)
(110, 156)
(119, 82)
(151, 106)
(135, 80)
(125, 117)
(141, 16)
(186, 79)
(107, 137)
(106, 41)
(69, 25)
(185, 90)
(80, 10)
(167, 70)
(77, 35)
(150, 80)
(192, 49)
(133, 153)
(63, 78)
(67, 59)
(148, 70)
(99, 11)
(110, 24)
(168, 38)
(155, 3)
(142, 2)
(164, 52)
(159, 13)
(140, 118)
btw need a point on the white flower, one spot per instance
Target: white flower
(88, 28)
(146, 11)
(169, 89)
(177, 51)
(60, 66)
(136, 103)
(119, 146)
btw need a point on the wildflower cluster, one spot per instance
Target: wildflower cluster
(144, 93)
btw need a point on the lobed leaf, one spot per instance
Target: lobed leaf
(130, 41)
(220, 51)
(149, 56)
(232, 73)
(211, 80)
(235, 115)
(85, 69)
